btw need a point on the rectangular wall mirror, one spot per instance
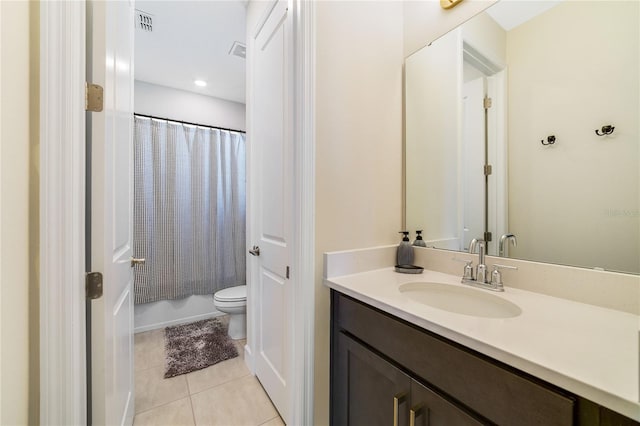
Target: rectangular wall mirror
(506, 137)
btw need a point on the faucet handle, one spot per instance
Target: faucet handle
(496, 276)
(468, 269)
(497, 266)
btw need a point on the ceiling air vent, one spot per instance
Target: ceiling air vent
(144, 21)
(238, 49)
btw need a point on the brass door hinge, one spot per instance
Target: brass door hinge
(487, 236)
(488, 170)
(93, 97)
(93, 285)
(487, 102)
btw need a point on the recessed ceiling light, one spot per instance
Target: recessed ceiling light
(200, 83)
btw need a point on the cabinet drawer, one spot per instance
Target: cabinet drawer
(494, 391)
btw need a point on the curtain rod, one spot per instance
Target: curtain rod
(188, 123)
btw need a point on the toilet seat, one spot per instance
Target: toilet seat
(221, 305)
(232, 296)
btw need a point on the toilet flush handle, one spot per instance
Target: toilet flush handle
(255, 251)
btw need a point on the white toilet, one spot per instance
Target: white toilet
(233, 301)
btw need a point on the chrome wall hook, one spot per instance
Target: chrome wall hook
(606, 130)
(550, 140)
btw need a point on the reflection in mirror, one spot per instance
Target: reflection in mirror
(529, 165)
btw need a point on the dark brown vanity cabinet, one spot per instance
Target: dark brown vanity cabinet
(386, 371)
(375, 392)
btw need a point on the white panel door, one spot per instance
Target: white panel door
(271, 138)
(110, 59)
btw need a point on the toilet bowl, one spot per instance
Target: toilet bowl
(233, 301)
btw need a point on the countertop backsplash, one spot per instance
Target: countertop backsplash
(595, 287)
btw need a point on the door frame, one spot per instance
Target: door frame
(63, 375)
(304, 258)
(63, 387)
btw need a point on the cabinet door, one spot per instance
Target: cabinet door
(364, 387)
(429, 409)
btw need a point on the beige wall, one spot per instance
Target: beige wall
(358, 144)
(576, 202)
(18, 212)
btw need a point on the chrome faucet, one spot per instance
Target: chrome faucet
(481, 268)
(506, 238)
(481, 279)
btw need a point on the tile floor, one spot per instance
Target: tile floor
(224, 394)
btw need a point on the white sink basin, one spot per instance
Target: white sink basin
(460, 300)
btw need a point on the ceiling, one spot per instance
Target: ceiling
(191, 41)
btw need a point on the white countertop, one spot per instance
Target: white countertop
(585, 349)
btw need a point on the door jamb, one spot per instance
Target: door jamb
(302, 395)
(63, 386)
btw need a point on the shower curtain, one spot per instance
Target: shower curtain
(189, 209)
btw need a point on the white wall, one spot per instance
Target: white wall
(576, 202)
(166, 102)
(18, 209)
(358, 144)
(177, 104)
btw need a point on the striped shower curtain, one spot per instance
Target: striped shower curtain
(189, 209)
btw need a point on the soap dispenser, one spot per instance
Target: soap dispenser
(419, 242)
(405, 250)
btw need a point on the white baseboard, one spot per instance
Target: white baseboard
(178, 321)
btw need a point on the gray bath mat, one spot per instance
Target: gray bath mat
(197, 345)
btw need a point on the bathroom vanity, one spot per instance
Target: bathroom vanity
(395, 360)
(387, 371)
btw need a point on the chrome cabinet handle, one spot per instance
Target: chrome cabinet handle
(255, 251)
(137, 261)
(399, 397)
(413, 412)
